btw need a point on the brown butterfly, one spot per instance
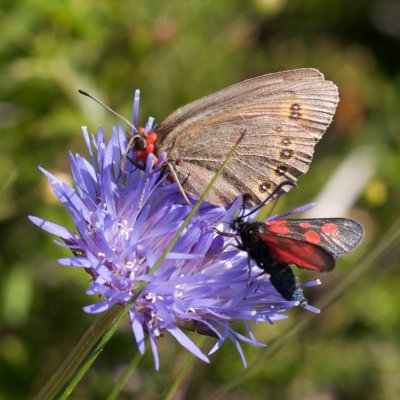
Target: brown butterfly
(284, 114)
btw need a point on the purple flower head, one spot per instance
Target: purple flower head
(125, 221)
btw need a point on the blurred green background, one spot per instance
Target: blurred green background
(175, 52)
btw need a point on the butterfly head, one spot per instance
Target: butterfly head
(143, 144)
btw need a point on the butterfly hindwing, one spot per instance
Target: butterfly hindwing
(300, 253)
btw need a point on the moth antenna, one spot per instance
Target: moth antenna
(266, 200)
(273, 206)
(106, 107)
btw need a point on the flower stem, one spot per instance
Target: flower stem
(182, 372)
(67, 369)
(125, 376)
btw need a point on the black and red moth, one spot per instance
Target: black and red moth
(311, 244)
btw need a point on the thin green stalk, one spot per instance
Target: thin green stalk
(297, 327)
(105, 337)
(120, 384)
(183, 371)
(66, 370)
(8, 183)
(96, 351)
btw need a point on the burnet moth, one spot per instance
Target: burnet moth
(312, 244)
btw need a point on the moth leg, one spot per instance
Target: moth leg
(225, 233)
(229, 245)
(236, 246)
(248, 271)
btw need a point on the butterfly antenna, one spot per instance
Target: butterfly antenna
(273, 194)
(106, 107)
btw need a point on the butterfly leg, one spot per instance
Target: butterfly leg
(176, 179)
(133, 162)
(136, 142)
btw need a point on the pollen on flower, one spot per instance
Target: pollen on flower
(151, 297)
(179, 291)
(178, 294)
(129, 265)
(125, 230)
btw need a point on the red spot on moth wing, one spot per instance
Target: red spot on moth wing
(303, 254)
(305, 225)
(312, 237)
(329, 228)
(278, 227)
(277, 222)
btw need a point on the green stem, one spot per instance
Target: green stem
(66, 370)
(182, 372)
(9, 183)
(125, 376)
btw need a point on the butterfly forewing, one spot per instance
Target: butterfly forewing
(284, 116)
(335, 235)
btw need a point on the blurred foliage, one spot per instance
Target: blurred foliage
(175, 52)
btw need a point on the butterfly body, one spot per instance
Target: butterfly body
(311, 244)
(284, 115)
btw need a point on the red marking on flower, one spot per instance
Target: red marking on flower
(151, 138)
(278, 227)
(329, 228)
(304, 225)
(312, 237)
